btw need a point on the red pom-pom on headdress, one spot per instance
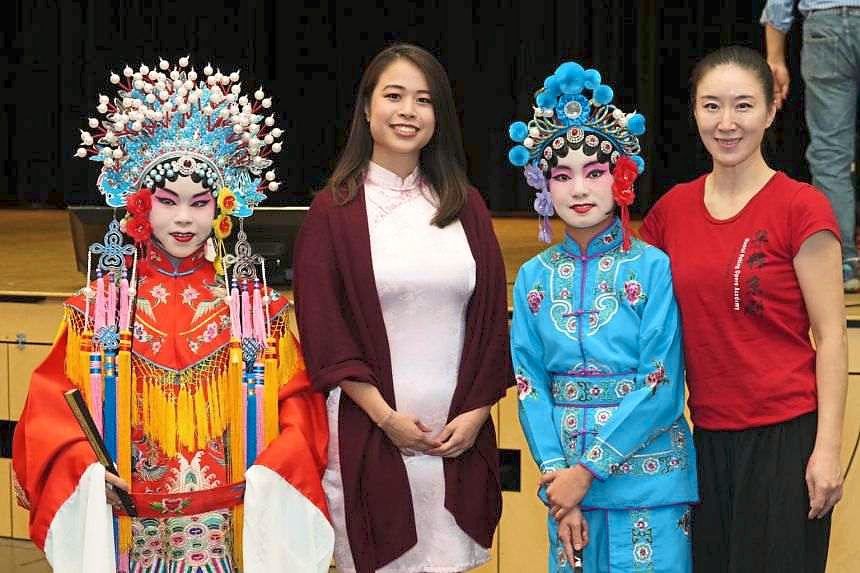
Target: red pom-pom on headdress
(624, 176)
(136, 224)
(140, 203)
(138, 228)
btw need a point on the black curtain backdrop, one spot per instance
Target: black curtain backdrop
(56, 57)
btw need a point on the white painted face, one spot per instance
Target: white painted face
(181, 216)
(581, 190)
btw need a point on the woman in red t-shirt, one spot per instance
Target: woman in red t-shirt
(756, 262)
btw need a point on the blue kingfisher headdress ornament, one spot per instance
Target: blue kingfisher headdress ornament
(168, 122)
(573, 109)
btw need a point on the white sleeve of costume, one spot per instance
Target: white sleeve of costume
(80, 538)
(283, 530)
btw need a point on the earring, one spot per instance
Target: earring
(209, 250)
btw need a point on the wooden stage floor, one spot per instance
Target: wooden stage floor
(38, 261)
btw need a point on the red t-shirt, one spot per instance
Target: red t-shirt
(749, 358)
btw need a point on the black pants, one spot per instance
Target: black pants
(752, 517)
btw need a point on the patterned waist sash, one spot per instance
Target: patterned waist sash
(591, 390)
(162, 506)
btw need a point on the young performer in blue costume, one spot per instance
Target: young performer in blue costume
(596, 343)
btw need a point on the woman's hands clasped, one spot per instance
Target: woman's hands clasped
(412, 436)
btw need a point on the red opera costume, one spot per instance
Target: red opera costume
(198, 384)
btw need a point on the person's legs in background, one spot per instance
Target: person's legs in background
(830, 64)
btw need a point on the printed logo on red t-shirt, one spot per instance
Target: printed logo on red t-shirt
(750, 260)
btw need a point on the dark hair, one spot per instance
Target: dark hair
(591, 143)
(442, 160)
(169, 170)
(739, 56)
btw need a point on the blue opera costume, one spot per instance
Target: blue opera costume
(597, 352)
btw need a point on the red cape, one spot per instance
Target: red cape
(50, 453)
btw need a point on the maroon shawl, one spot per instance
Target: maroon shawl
(343, 338)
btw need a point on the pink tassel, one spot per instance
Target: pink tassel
(99, 311)
(261, 435)
(247, 326)
(110, 316)
(124, 303)
(259, 320)
(235, 325)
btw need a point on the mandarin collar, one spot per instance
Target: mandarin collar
(166, 264)
(605, 241)
(378, 175)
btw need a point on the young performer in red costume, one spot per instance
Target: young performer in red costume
(183, 354)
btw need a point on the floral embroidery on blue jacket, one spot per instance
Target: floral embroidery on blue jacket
(596, 345)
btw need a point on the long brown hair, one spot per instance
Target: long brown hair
(442, 160)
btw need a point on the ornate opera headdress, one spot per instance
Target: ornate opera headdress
(167, 123)
(573, 109)
(170, 122)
